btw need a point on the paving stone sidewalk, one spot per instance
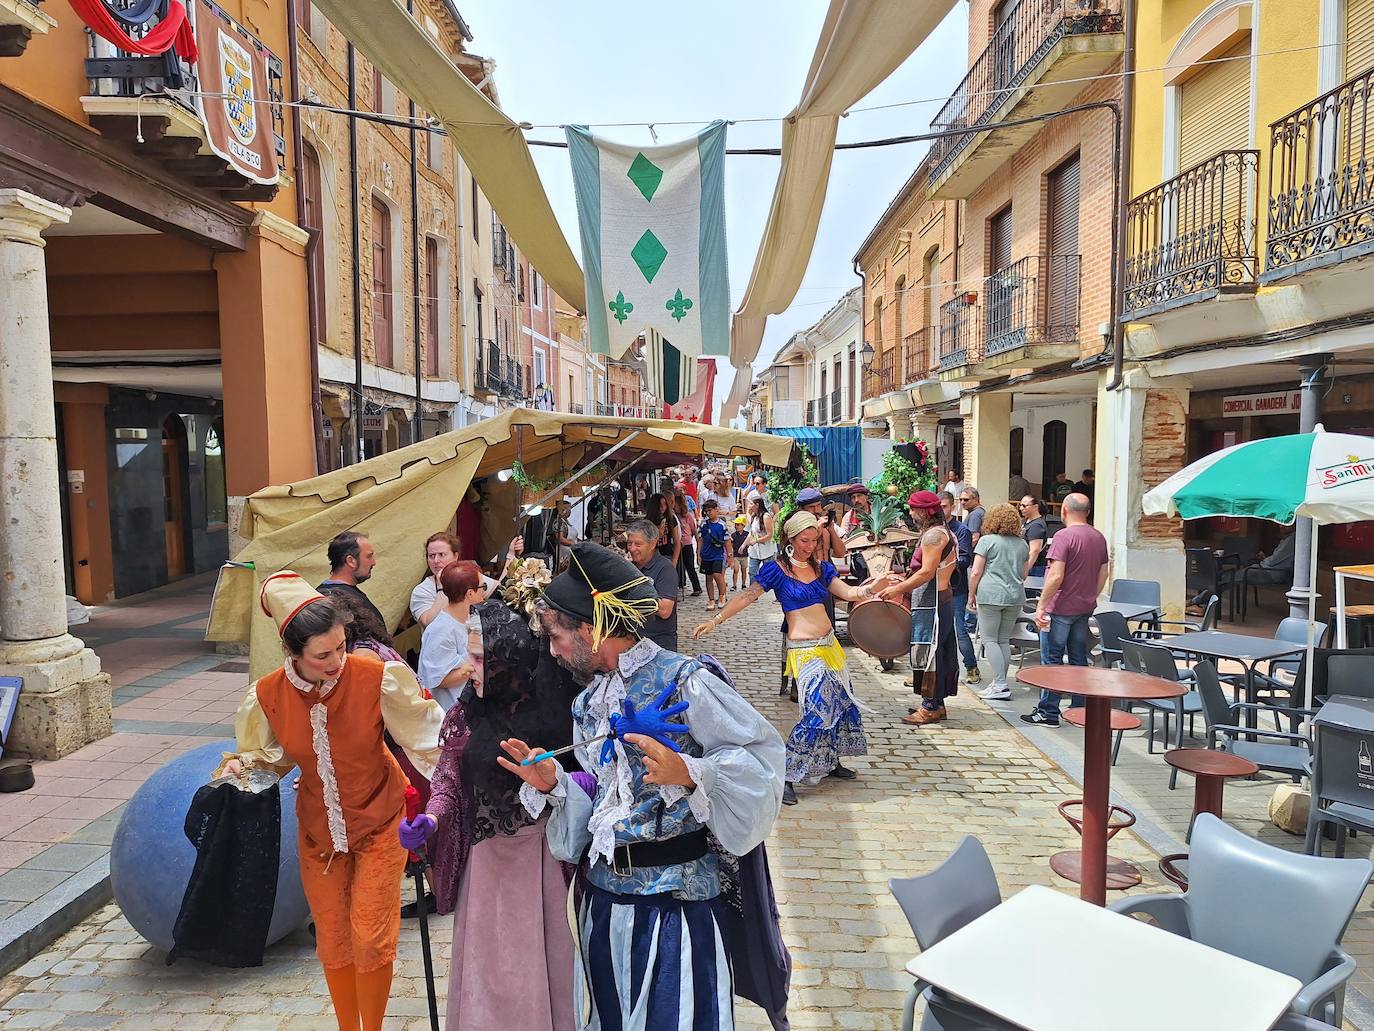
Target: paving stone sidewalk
(918, 793)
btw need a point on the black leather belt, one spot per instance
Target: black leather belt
(682, 849)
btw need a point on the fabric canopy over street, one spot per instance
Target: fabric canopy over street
(400, 498)
(492, 145)
(861, 44)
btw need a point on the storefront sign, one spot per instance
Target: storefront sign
(233, 95)
(374, 423)
(1278, 402)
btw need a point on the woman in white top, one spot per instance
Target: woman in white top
(427, 600)
(761, 545)
(444, 665)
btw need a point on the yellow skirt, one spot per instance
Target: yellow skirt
(826, 648)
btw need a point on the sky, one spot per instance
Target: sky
(601, 61)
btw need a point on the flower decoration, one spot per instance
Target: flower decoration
(525, 585)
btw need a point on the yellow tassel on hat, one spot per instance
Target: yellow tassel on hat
(610, 610)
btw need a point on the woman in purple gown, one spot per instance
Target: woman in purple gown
(512, 958)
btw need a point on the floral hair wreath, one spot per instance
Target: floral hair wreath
(525, 586)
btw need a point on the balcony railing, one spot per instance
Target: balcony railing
(811, 413)
(1321, 180)
(1193, 235)
(1029, 32)
(628, 411)
(576, 407)
(880, 375)
(1033, 301)
(960, 342)
(916, 349)
(113, 72)
(835, 405)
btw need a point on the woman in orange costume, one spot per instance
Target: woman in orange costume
(325, 711)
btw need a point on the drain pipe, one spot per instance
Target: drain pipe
(1124, 149)
(415, 261)
(357, 406)
(311, 245)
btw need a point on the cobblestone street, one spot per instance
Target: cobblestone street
(918, 793)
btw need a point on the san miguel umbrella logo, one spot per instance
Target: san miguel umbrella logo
(239, 103)
(1351, 470)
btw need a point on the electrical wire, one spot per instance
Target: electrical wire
(432, 125)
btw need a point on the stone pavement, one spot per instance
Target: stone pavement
(918, 793)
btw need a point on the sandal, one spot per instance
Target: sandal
(710, 606)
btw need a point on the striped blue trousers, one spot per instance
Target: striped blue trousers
(651, 963)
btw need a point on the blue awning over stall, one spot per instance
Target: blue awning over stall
(836, 449)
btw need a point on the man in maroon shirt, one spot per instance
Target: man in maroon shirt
(1076, 576)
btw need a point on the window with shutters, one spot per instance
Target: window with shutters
(1060, 274)
(431, 306)
(382, 279)
(312, 198)
(1001, 288)
(1214, 108)
(1359, 37)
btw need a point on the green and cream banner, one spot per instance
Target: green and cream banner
(653, 240)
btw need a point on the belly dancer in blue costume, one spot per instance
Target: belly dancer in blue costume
(830, 724)
(651, 954)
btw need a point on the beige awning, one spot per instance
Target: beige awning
(861, 44)
(492, 145)
(398, 499)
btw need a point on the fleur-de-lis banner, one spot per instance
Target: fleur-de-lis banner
(653, 240)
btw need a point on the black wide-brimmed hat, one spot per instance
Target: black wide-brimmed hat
(604, 589)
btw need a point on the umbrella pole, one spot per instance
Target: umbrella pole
(1311, 613)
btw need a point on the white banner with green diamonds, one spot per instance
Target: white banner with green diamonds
(653, 240)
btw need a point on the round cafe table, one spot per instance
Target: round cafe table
(1099, 688)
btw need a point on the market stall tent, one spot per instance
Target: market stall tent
(400, 498)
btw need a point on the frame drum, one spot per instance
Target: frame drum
(881, 627)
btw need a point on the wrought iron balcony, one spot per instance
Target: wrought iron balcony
(1034, 301)
(960, 341)
(163, 121)
(576, 408)
(835, 405)
(811, 413)
(1321, 181)
(880, 375)
(1192, 237)
(1015, 55)
(917, 356)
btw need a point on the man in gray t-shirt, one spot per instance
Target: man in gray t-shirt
(641, 539)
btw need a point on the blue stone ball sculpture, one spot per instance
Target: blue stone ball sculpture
(151, 859)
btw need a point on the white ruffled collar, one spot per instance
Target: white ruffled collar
(304, 686)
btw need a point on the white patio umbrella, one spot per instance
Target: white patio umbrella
(1326, 477)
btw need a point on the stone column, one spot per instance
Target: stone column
(1313, 368)
(924, 426)
(899, 426)
(1141, 441)
(65, 701)
(987, 444)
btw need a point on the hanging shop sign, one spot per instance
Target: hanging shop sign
(233, 95)
(1275, 402)
(374, 423)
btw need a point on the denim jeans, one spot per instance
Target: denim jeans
(962, 629)
(1066, 634)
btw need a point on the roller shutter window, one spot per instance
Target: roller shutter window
(1213, 117)
(1214, 109)
(1001, 308)
(1359, 37)
(1062, 274)
(381, 283)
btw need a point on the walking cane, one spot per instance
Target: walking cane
(415, 867)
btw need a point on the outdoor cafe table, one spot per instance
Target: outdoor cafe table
(1241, 648)
(1099, 688)
(1074, 965)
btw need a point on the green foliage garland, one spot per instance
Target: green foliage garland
(784, 487)
(903, 474)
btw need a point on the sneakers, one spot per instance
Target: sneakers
(972, 676)
(1038, 718)
(995, 692)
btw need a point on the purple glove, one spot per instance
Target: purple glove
(414, 833)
